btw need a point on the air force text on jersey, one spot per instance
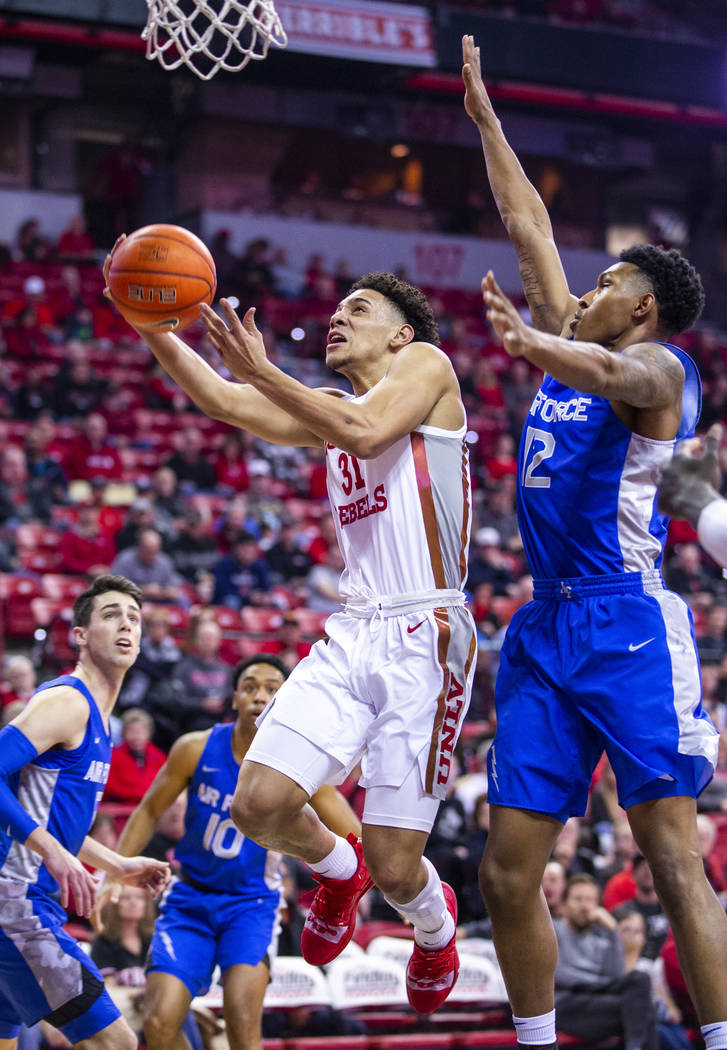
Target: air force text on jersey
(548, 409)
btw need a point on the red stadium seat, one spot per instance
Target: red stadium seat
(35, 536)
(40, 561)
(55, 619)
(61, 588)
(229, 620)
(312, 622)
(260, 621)
(19, 592)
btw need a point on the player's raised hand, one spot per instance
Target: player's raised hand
(503, 317)
(476, 100)
(107, 265)
(240, 345)
(145, 873)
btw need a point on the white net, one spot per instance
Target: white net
(209, 35)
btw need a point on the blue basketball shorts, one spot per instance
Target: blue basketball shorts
(44, 972)
(196, 931)
(593, 664)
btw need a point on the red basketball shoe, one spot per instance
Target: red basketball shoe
(331, 920)
(431, 976)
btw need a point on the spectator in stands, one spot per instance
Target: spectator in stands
(286, 558)
(170, 507)
(686, 573)
(519, 388)
(150, 569)
(201, 680)
(595, 997)
(288, 643)
(712, 644)
(189, 463)
(647, 904)
(195, 550)
(554, 883)
(292, 917)
(33, 396)
(326, 538)
(148, 683)
(136, 761)
(92, 454)
(32, 307)
(503, 459)
(230, 466)
(233, 521)
(242, 576)
(120, 950)
(19, 681)
(163, 394)
(323, 583)
(487, 562)
(263, 505)
(227, 264)
(15, 505)
(632, 935)
(47, 482)
(141, 515)
(569, 850)
(254, 271)
(75, 243)
(713, 866)
(77, 390)
(86, 548)
(31, 245)
(498, 512)
(617, 877)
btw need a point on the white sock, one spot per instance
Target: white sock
(428, 914)
(535, 1031)
(715, 1035)
(340, 863)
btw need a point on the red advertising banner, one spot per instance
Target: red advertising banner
(359, 29)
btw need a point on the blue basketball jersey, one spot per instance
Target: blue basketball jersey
(61, 790)
(213, 851)
(587, 484)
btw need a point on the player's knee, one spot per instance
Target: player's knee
(504, 886)
(251, 815)
(160, 1029)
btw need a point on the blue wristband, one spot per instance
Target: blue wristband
(16, 751)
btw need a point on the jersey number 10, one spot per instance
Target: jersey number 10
(217, 840)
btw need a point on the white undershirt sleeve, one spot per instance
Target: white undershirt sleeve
(712, 530)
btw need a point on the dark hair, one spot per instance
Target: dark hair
(581, 879)
(258, 658)
(83, 605)
(676, 284)
(409, 301)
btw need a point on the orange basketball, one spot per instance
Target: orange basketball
(159, 276)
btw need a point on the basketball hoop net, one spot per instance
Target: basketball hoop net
(208, 35)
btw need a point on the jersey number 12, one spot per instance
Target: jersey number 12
(529, 478)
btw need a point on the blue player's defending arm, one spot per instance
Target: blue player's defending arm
(521, 209)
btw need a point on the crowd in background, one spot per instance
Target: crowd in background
(115, 470)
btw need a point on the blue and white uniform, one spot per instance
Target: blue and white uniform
(224, 908)
(604, 657)
(43, 971)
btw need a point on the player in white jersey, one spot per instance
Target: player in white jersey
(391, 686)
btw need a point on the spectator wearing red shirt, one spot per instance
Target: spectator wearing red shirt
(230, 466)
(503, 460)
(33, 298)
(136, 761)
(86, 548)
(19, 681)
(75, 243)
(288, 644)
(91, 455)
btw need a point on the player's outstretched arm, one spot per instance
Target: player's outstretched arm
(419, 376)
(57, 716)
(645, 375)
(521, 208)
(240, 406)
(335, 812)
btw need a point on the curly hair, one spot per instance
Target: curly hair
(676, 284)
(408, 300)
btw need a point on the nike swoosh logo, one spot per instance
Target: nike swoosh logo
(410, 630)
(708, 1031)
(633, 648)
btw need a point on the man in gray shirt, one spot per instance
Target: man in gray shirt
(594, 996)
(150, 569)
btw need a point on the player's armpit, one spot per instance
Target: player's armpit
(335, 812)
(646, 375)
